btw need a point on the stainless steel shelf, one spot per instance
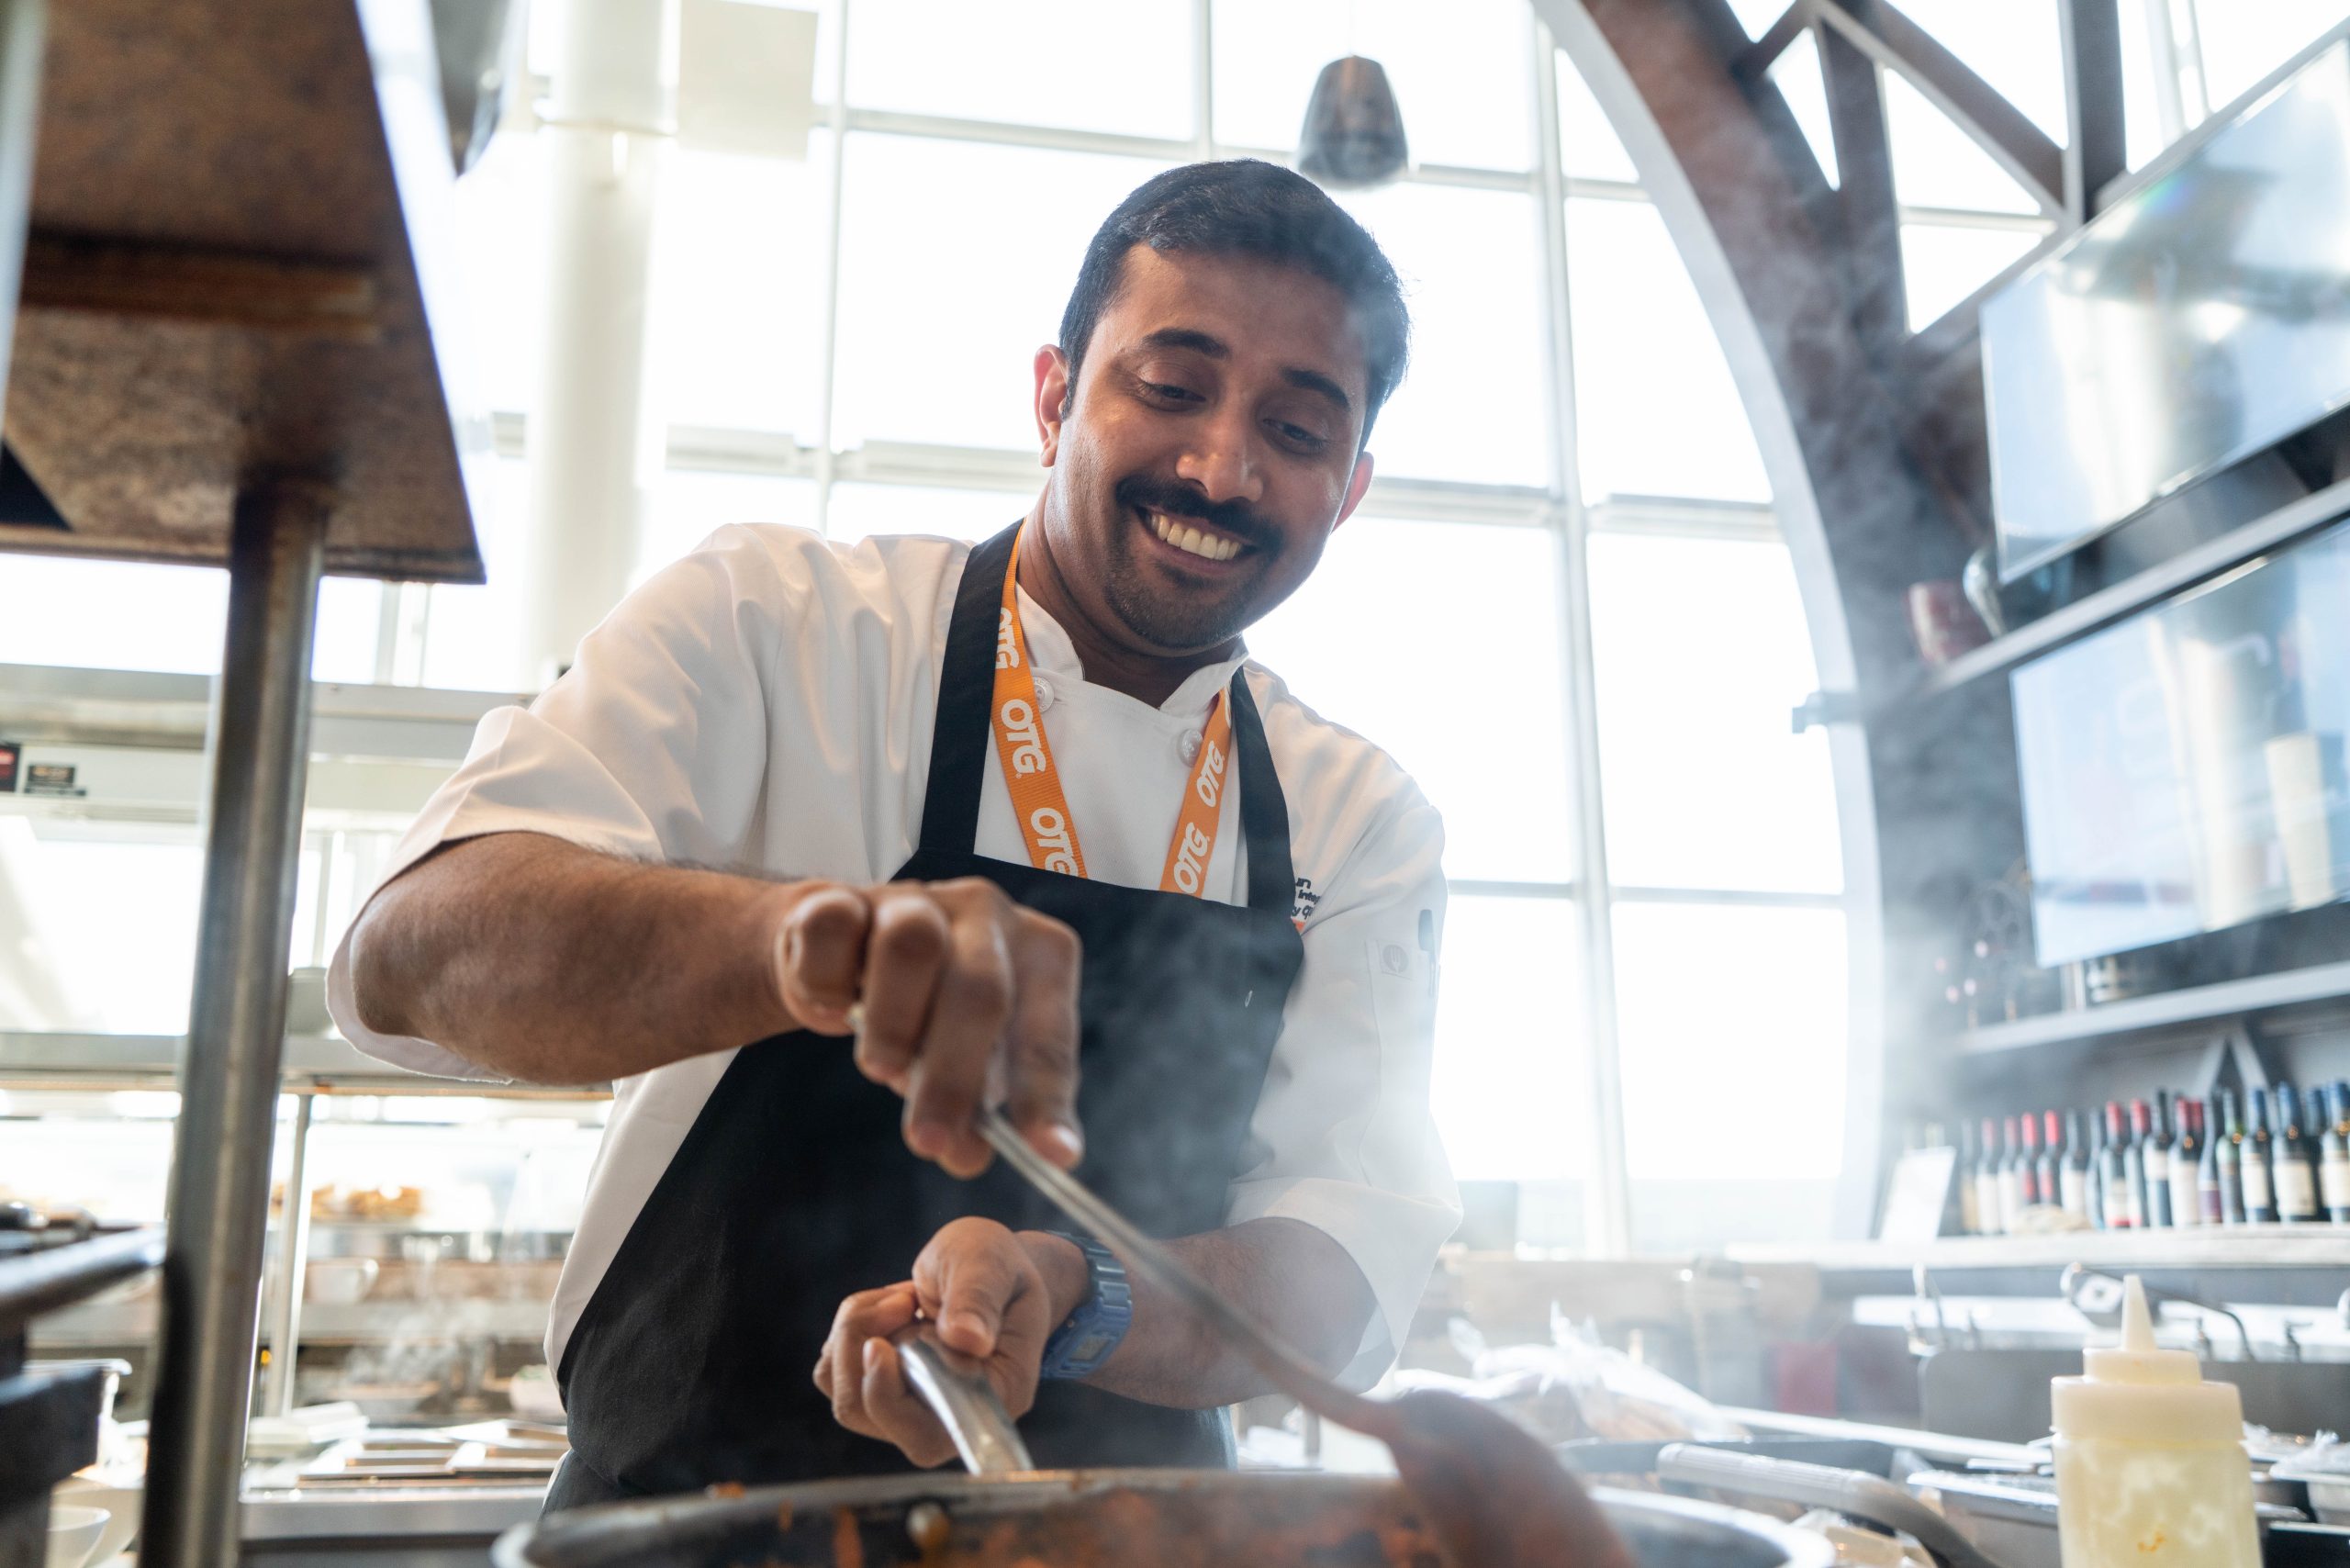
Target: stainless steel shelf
(320, 1064)
(97, 1324)
(2285, 526)
(2197, 1247)
(2164, 1012)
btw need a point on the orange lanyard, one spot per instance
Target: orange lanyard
(1036, 797)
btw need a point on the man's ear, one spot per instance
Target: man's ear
(1355, 488)
(1052, 398)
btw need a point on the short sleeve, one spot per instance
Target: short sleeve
(651, 745)
(1343, 1128)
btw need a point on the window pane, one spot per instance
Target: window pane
(2014, 46)
(1797, 76)
(1488, 745)
(1756, 16)
(1701, 650)
(501, 232)
(84, 957)
(1471, 404)
(1125, 68)
(111, 614)
(859, 510)
(344, 647)
(472, 634)
(2141, 111)
(922, 363)
(1588, 146)
(691, 504)
(2244, 40)
(1655, 408)
(1936, 164)
(1942, 264)
(1511, 1081)
(1731, 1024)
(1461, 71)
(738, 290)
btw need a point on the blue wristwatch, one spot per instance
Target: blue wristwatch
(1095, 1329)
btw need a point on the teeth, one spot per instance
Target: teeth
(1207, 546)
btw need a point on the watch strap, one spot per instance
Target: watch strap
(1093, 1332)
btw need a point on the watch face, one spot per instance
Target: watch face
(1091, 1345)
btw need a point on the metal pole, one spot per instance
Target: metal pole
(1607, 1199)
(23, 27)
(293, 1260)
(219, 1205)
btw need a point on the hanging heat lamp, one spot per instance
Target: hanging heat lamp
(1354, 132)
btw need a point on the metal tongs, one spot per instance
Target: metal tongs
(1492, 1494)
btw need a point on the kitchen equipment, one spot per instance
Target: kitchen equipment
(118, 1495)
(339, 1281)
(1133, 1519)
(1491, 1492)
(1847, 1492)
(50, 1418)
(2325, 1472)
(73, 1534)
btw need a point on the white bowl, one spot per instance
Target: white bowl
(118, 1492)
(73, 1534)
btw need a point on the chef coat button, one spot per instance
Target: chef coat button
(1392, 959)
(1044, 694)
(1189, 746)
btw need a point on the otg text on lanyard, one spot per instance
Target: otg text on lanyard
(1036, 797)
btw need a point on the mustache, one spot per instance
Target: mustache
(1180, 500)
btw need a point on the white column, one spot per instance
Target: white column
(594, 442)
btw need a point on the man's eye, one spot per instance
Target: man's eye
(1299, 437)
(1167, 392)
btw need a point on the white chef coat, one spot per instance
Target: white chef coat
(767, 702)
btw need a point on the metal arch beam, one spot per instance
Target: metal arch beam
(1896, 43)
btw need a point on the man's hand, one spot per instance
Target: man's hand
(984, 1291)
(945, 973)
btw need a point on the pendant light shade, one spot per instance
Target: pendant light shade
(1354, 133)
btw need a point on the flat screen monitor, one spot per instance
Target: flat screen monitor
(2183, 770)
(2202, 319)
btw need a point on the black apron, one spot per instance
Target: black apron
(692, 1361)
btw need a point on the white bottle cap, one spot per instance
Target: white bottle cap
(2137, 1391)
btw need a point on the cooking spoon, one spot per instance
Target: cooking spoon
(1494, 1496)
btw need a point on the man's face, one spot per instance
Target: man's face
(1210, 450)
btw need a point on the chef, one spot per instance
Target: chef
(1022, 822)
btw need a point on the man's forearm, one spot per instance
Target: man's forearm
(556, 964)
(1284, 1272)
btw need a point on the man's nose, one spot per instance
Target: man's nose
(1221, 459)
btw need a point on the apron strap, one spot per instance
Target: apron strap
(959, 740)
(1264, 810)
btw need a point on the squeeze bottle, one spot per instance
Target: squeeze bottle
(2151, 1468)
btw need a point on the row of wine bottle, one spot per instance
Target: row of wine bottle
(2172, 1163)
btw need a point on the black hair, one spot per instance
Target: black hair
(1247, 207)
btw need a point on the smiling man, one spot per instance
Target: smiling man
(1026, 816)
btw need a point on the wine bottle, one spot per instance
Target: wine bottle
(2259, 1197)
(2072, 1176)
(1963, 1178)
(2051, 1185)
(2114, 1173)
(2097, 1166)
(2010, 1182)
(2133, 1162)
(2334, 1155)
(2186, 1161)
(2027, 1162)
(1988, 1216)
(2292, 1164)
(2155, 1160)
(2228, 1146)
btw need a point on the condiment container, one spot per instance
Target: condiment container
(2151, 1467)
